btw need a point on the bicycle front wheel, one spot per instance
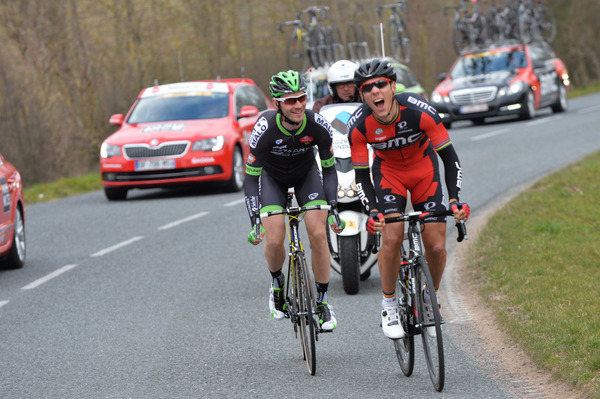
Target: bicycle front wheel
(306, 311)
(405, 347)
(296, 52)
(399, 41)
(431, 330)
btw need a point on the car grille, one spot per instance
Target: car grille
(142, 150)
(473, 96)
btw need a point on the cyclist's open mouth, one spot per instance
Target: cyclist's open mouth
(380, 107)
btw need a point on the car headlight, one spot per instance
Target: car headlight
(109, 150)
(436, 97)
(516, 87)
(212, 144)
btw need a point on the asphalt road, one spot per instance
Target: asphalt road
(161, 296)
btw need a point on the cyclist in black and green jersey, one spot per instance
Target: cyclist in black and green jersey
(281, 157)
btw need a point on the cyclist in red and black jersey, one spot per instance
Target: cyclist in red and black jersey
(282, 156)
(407, 135)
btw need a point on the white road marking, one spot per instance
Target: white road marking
(48, 277)
(540, 121)
(2, 303)
(234, 203)
(114, 247)
(178, 222)
(490, 134)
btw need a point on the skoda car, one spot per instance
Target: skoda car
(505, 79)
(12, 217)
(181, 134)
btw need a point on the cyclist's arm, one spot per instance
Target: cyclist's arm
(452, 170)
(360, 160)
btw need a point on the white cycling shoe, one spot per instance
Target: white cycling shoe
(390, 322)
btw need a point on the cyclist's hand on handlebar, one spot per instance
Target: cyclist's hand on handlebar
(461, 210)
(337, 228)
(375, 222)
(252, 239)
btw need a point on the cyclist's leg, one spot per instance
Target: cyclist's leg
(273, 196)
(434, 240)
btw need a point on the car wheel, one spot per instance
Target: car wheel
(115, 194)
(16, 256)
(528, 106)
(448, 124)
(561, 103)
(236, 183)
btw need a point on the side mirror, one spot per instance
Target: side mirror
(247, 111)
(400, 88)
(442, 76)
(116, 119)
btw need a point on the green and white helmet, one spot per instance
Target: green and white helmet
(286, 82)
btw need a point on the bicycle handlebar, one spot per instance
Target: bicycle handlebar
(292, 22)
(401, 5)
(418, 215)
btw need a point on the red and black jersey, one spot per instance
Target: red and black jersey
(402, 146)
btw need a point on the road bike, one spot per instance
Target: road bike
(503, 22)
(414, 279)
(468, 29)
(356, 41)
(312, 42)
(398, 37)
(299, 291)
(536, 21)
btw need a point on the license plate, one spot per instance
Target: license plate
(155, 164)
(469, 109)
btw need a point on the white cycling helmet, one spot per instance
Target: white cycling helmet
(340, 71)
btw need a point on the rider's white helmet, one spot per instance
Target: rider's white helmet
(340, 71)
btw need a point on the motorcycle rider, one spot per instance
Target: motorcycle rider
(340, 81)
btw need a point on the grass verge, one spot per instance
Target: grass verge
(62, 188)
(537, 264)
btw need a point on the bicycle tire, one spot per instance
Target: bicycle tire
(432, 346)
(351, 41)
(362, 48)
(405, 347)
(338, 44)
(317, 46)
(399, 40)
(306, 312)
(460, 38)
(525, 25)
(547, 24)
(296, 53)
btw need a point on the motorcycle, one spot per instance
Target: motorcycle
(353, 250)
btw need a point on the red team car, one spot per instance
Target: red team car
(12, 217)
(181, 134)
(503, 79)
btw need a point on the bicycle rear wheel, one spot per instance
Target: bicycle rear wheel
(460, 38)
(296, 52)
(306, 311)
(431, 330)
(399, 41)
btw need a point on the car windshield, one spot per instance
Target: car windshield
(489, 61)
(181, 106)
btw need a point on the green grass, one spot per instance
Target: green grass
(537, 263)
(62, 188)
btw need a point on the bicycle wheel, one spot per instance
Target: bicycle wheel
(296, 52)
(351, 41)
(546, 24)
(338, 44)
(306, 311)
(431, 331)
(460, 37)
(525, 27)
(318, 47)
(405, 347)
(362, 46)
(398, 40)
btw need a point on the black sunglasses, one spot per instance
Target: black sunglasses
(292, 100)
(380, 84)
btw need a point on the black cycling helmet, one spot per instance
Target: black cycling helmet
(373, 69)
(286, 82)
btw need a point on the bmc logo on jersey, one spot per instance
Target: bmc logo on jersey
(422, 104)
(259, 128)
(306, 139)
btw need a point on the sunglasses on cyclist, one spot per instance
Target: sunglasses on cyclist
(380, 84)
(292, 100)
